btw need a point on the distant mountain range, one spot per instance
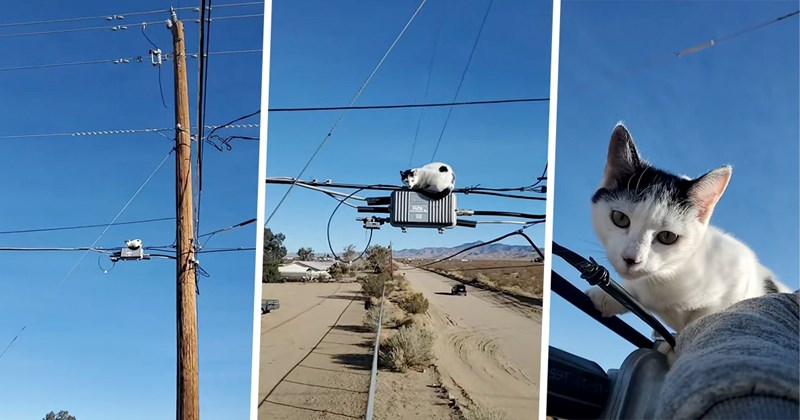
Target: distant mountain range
(495, 251)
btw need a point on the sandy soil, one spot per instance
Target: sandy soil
(315, 356)
(487, 348)
(411, 395)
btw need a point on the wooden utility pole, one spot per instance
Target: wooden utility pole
(188, 400)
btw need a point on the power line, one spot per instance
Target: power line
(121, 16)
(461, 82)
(470, 248)
(427, 82)
(80, 260)
(53, 229)
(341, 115)
(386, 187)
(202, 86)
(116, 132)
(112, 28)
(728, 37)
(121, 60)
(399, 106)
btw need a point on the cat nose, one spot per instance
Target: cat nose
(630, 261)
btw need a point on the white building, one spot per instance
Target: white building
(306, 270)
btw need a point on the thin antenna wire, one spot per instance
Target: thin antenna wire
(80, 260)
(352, 101)
(427, 83)
(463, 76)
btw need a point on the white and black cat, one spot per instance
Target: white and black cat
(435, 179)
(655, 229)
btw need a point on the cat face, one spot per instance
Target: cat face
(409, 177)
(649, 220)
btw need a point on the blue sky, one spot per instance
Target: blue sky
(323, 51)
(735, 103)
(103, 345)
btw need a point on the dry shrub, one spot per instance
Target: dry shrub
(390, 315)
(411, 347)
(480, 412)
(372, 285)
(414, 303)
(403, 284)
(414, 319)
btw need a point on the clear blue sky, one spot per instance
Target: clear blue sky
(733, 103)
(323, 51)
(104, 345)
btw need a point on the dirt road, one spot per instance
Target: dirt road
(315, 356)
(486, 346)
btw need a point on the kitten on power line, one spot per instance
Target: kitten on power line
(435, 179)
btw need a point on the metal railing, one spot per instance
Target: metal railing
(373, 379)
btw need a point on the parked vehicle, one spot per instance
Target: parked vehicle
(269, 305)
(459, 289)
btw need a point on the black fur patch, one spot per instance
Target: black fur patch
(770, 286)
(646, 181)
(443, 168)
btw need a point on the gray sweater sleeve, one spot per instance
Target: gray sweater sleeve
(741, 363)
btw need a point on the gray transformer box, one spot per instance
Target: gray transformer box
(131, 254)
(411, 209)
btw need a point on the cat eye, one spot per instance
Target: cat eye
(666, 237)
(620, 219)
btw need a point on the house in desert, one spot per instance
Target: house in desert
(306, 271)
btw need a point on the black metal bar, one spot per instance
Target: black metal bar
(598, 275)
(577, 298)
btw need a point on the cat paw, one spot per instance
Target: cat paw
(603, 302)
(664, 348)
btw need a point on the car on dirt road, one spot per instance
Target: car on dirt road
(269, 305)
(459, 289)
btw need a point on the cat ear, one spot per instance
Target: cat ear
(623, 158)
(707, 190)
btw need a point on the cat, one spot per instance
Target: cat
(436, 180)
(655, 229)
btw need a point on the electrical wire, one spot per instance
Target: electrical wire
(53, 229)
(427, 84)
(113, 28)
(401, 106)
(386, 187)
(209, 235)
(328, 231)
(155, 48)
(463, 76)
(202, 86)
(470, 248)
(123, 60)
(341, 115)
(114, 132)
(80, 260)
(121, 16)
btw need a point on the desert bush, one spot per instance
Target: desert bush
(480, 412)
(411, 347)
(372, 285)
(391, 314)
(403, 284)
(414, 303)
(483, 278)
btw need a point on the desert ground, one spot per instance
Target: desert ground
(315, 355)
